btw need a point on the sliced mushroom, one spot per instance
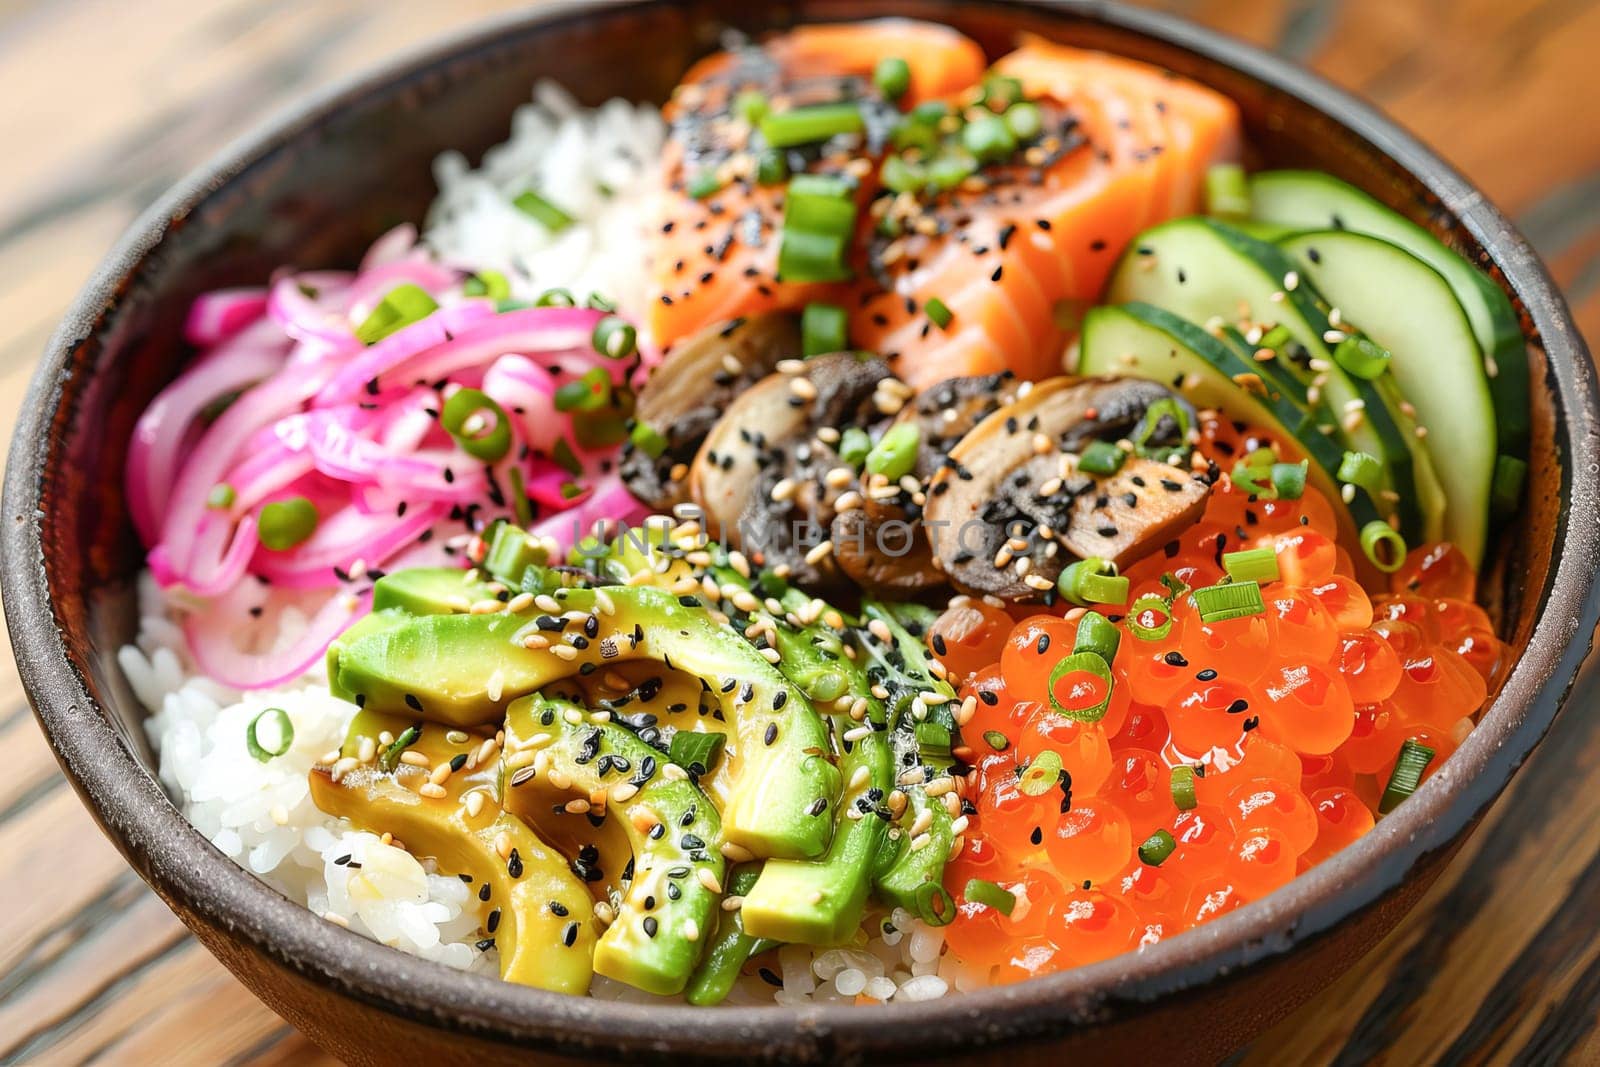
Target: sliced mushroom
(761, 477)
(688, 392)
(946, 411)
(1004, 517)
(882, 548)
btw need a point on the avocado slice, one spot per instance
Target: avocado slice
(729, 947)
(546, 928)
(433, 591)
(375, 622)
(464, 669)
(558, 752)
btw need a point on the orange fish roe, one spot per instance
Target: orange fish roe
(1277, 731)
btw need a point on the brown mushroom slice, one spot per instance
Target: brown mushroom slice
(1132, 513)
(690, 390)
(882, 550)
(761, 477)
(946, 411)
(998, 515)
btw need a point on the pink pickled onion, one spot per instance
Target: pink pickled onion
(216, 316)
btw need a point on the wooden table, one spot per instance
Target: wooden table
(107, 102)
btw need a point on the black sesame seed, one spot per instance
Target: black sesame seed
(1207, 675)
(570, 936)
(650, 926)
(772, 733)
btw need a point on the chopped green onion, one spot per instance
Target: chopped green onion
(1289, 480)
(1505, 491)
(854, 445)
(1254, 480)
(1175, 585)
(1230, 600)
(934, 905)
(489, 283)
(462, 419)
(892, 76)
(950, 168)
(543, 211)
(914, 134)
(1407, 774)
(399, 308)
(988, 138)
(571, 490)
(588, 393)
(221, 497)
(929, 112)
(1276, 337)
(818, 219)
(1000, 92)
(1086, 677)
(614, 337)
(704, 183)
(1363, 469)
(895, 454)
(565, 458)
(772, 167)
(939, 312)
(1227, 192)
(807, 125)
(981, 891)
(521, 504)
(1383, 545)
(1042, 774)
(555, 298)
(1025, 121)
(1253, 565)
(1097, 634)
(823, 328)
(1261, 457)
(751, 105)
(283, 524)
(1157, 847)
(1150, 617)
(1092, 581)
(390, 759)
(933, 740)
(596, 302)
(1166, 408)
(695, 752)
(1183, 787)
(264, 753)
(1361, 357)
(900, 175)
(996, 740)
(648, 439)
(1101, 457)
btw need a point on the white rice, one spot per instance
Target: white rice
(261, 814)
(600, 166)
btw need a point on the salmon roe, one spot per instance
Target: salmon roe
(1289, 721)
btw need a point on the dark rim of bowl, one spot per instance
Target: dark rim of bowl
(184, 866)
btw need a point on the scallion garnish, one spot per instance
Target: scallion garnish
(588, 393)
(1093, 581)
(1407, 774)
(1183, 787)
(1097, 634)
(1157, 847)
(772, 167)
(648, 439)
(1167, 408)
(934, 905)
(988, 138)
(1080, 687)
(695, 752)
(283, 524)
(542, 211)
(895, 454)
(555, 298)
(703, 183)
(521, 503)
(1000, 91)
(933, 740)
(465, 416)
(951, 167)
(1041, 775)
(823, 328)
(1025, 121)
(981, 891)
(1289, 480)
(1230, 600)
(899, 175)
(614, 338)
(819, 216)
(1383, 545)
(265, 751)
(1227, 192)
(221, 497)
(1150, 617)
(996, 740)
(390, 758)
(807, 125)
(1361, 469)
(596, 302)
(399, 308)
(854, 445)
(1252, 565)
(1361, 357)
(1255, 480)
(939, 312)
(892, 76)
(1101, 457)
(489, 283)
(751, 105)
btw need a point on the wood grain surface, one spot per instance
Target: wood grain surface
(106, 102)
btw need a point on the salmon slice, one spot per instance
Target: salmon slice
(1019, 254)
(717, 259)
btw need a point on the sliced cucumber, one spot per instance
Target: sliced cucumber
(1409, 308)
(1201, 269)
(1143, 341)
(1311, 200)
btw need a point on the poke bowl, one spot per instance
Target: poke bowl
(833, 534)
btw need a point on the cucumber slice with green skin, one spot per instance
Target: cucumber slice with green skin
(1201, 269)
(1312, 200)
(1409, 308)
(1164, 347)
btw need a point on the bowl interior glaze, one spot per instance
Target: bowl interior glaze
(314, 188)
